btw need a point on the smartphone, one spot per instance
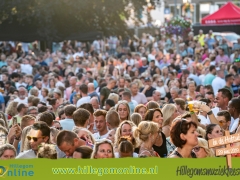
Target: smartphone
(14, 120)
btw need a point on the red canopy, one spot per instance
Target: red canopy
(227, 14)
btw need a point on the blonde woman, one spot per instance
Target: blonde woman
(136, 118)
(147, 132)
(114, 97)
(125, 129)
(170, 112)
(103, 149)
(202, 150)
(85, 134)
(123, 110)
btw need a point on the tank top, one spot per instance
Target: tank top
(161, 150)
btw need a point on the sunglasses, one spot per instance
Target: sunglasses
(197, 149)
(59, 128)
(35, 139)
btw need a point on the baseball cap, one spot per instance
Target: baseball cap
(147, 79)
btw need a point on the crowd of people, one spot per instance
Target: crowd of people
(118, 97)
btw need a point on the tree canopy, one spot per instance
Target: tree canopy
(54, 18)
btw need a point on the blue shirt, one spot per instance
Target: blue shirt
(67, 124)
(2, 63)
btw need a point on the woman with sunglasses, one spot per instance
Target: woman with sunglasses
(202, 150)
(184, 136)
(155, 115)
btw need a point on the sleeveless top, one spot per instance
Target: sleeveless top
(162, 150)
(193, 155)
(153, 154)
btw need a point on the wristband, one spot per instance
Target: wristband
(210, 112)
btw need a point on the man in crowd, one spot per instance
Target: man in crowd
(68, 123)
(101, 124)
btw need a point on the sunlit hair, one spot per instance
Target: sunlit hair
(96, 147)
(118, 134)
(201, 132)
(125, 103)
(114, 97)
(144, 129)
(138, 107)
(152, 105)
(167, 111)
(204, 144)
(136, 118)
(77, 130)
(125, 145)
(47, 151)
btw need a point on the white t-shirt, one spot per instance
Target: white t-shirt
(204, 120)
(97, 136)
(83, 100)
(24, 101)
(234, 126)
(26, 68)
(217, 84)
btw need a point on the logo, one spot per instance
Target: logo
(3, 170)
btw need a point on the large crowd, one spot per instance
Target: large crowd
(118, 97)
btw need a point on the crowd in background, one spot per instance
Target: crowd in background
(118, 97)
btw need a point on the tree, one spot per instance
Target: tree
(54, 18)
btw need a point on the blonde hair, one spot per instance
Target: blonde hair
(114, 97)
(139, 83)
(118, 134)
(144, 129)
(77, 130)
(24, 141)
(12, 108)
(168, 111)
(125, 103)
(47, 151)
(204, 144)
(96, 147)
(201, 131)
(136, 118)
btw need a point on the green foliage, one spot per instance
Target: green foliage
(52, 16)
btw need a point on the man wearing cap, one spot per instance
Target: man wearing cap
(148, 89)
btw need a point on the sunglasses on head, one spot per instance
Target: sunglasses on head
(196, 149)
(35, 139)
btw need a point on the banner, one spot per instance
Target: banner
(126, 168)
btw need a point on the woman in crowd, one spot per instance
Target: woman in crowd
(180, 105)
(55, 104)
(7, 151)
(85, 134)
(170, 112)
(82, 152)
(111, 135)
(44, 93)
(147, 132)
(103, 149)
(141, 109)
(57, 125)
(184, 136)
(152, 105)
(192, 90)
(202, 150)
(123, 110)
(125, 129)
(162, 88)
(155, 115)
(11, 109)
(125, 148)
(58, 95)
(52, 85)
(136, 118)
(114, 97)
(47, 151)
